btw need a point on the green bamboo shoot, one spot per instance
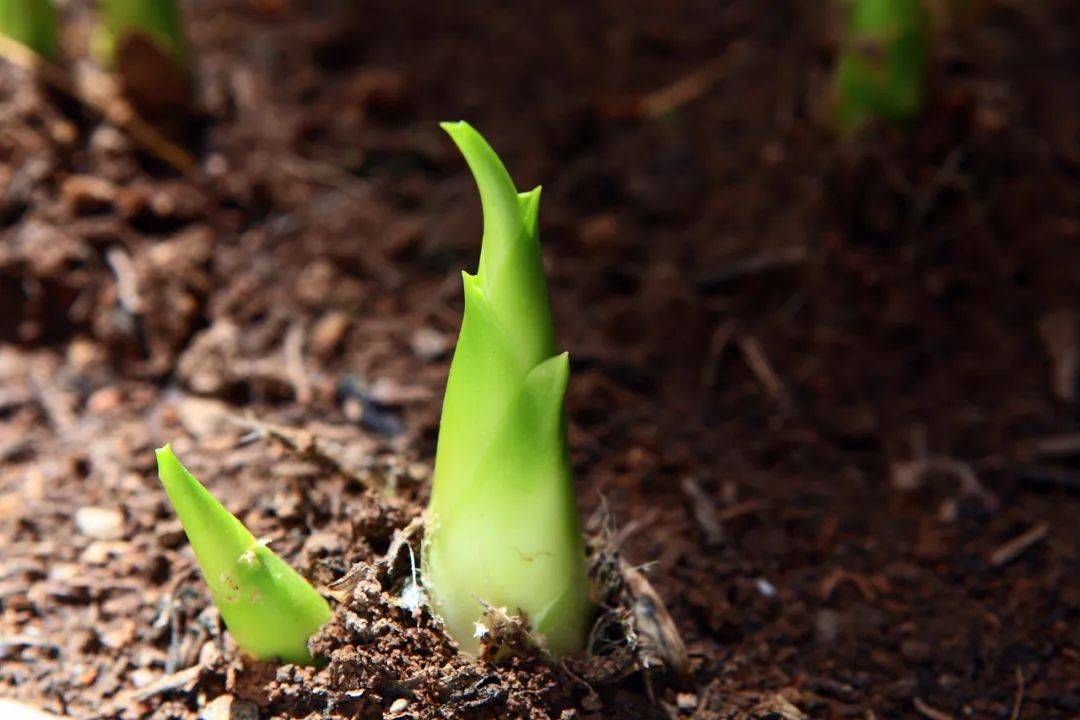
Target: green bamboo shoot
(269, 608)
(502, 524)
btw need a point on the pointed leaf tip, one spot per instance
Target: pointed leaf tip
(498, 196)
(530, 210)
(269, 608)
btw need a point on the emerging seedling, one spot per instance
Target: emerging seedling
(143, 40)
(881, 72)
(31, 23)
(502, 523)
(268, 607)
(156, 21)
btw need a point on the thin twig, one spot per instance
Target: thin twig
(177, 680)
(749, 265)
(746, 507)
(930, 712)
(324, 452)
(704, 512)
(1019, 701)
(909, 476)
(719, 341)
(688, 88)
(759, 364)
(1055, 445)
(127, 281)
(1061, 340)
(293, 349)
(1015, 547)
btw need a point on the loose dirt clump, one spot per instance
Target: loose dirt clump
(385, 658)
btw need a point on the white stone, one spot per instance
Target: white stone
(100, 523)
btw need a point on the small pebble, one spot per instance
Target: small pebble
(107, 140)
(429, 344)
(100, 523)
(328, 332)
(686, 701)
(826, 626)
(209, 654)
(227, 707)
(87, 193)
(83, 353)
(170, 534)
(105, 400)
(142, 677)
(100, 552)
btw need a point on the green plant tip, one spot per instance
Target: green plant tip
(881, 71)
(31, 23)
(269, 608)
(158, 21)
(502, 524)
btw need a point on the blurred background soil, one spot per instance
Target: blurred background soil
(826, 389)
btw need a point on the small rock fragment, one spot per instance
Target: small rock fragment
(777, 708)
(227, 707)
(328, 332)
(100, 523)
(100, 552)
(82, 353)
(170, 535)
(429, 344)
(205, 366)
(686, 701)
(105, 400)
(85, 194)
(203, 417)
(315, 282)
(1061, 339)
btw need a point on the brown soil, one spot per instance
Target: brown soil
(827, 390)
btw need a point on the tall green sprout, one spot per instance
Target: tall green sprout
(31, 23)
(881, 72)
(268, 607)
(502, 525)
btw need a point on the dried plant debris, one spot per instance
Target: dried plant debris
(633, 630)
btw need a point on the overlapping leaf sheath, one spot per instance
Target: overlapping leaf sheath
(502, 525)
(268, 607)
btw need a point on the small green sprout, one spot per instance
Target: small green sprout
(881, 72)
(31, 23)
(502, 526)
(157, 21)
(269, 608)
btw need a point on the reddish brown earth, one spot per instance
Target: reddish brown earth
(825, 390)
